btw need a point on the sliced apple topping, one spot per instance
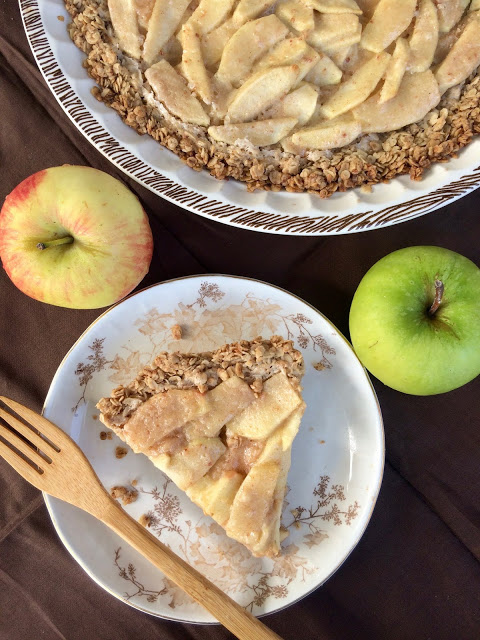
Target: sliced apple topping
(418, 94)
(193, 67)
(123, 14)
(248, 44)
(330, 134)
(210, 14)
(171, 89)
(216, 496)
(325, 72)
(268, 68)
(261, 132)
(299, 104)
(367, 7)
(249, 9)
(395, 70)
(165, 19)
(288, 51)
(463, 59)
(144, 10)
(295, 15)
(450, 12)
(190, 464)
(334, 6)
(390, 19)
(356, 89)
(424, 39)
(335, 31)
(260, 91)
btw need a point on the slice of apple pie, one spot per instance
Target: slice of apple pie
(221, 425)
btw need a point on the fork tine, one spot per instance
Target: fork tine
(21, 466)
(15, 440)
(51, 431)
(29, 434)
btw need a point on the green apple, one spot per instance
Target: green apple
(74, 237)
(415, 320)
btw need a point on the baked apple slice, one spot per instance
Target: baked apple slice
(215, 41)
(334, 30)
(248, 44)
(210, 14)
(299, 104)
(144, 10)
(324, 73)
(166, 17)
(463, 58)
(358, 87)
(330, 134)
(193, 67)
(450, 12)
(260, 92)
(424, 39)
(261, 132)
(395, 70)
(123, 14)
(418, 94)
(172, 90)
(334, 6)
(390, 19)
(295, 15)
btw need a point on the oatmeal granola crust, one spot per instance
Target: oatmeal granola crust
(254, 361)
(377, 158)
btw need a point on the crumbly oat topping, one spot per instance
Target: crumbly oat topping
(145, 520)
(127, 496)
(176, 332)
(376, 158)
(253, 361)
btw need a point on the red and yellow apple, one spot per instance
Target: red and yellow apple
(74, 237)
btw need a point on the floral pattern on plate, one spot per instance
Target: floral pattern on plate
(337, 458)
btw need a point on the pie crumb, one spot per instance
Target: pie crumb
(176, 332)
(318, 366)
(145, 520)
(103, 435)
(120, 452)
(134, 483)
(61, 18)
(127, 496)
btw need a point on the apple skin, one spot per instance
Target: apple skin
(112, 240)
(393, 334)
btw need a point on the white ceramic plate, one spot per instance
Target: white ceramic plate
(337, 459)
(227, 201)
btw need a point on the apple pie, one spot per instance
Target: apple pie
(316, 95)
(221, 426)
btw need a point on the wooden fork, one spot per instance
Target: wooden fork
(50, 460)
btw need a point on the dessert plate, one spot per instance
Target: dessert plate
(162, 172)
(337, 457)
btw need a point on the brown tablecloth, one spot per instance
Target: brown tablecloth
(414, 575)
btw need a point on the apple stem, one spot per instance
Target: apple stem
(439, 289)
(54, 243)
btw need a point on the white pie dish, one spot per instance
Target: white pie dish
(337, 457)
(162, 172)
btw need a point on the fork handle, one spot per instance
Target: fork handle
(234, 617)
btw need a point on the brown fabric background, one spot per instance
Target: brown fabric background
(414, 575)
